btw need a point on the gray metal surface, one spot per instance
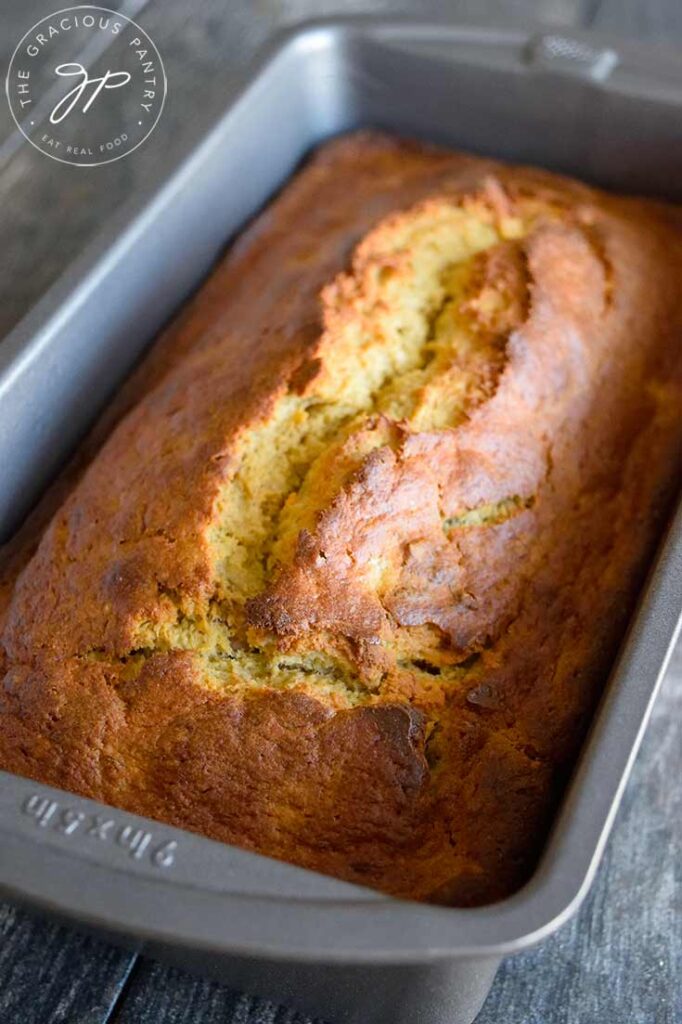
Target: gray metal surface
(482, 70)
(50, 213)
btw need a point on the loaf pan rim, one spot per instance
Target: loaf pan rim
(534, 898)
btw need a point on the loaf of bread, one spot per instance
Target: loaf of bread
(345, 583)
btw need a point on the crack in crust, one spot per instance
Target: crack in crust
(329, 590)
(413, 339)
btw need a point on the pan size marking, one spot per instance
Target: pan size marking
(137, 842)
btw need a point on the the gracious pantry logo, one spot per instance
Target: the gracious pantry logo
(86, 85)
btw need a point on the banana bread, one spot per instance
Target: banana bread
(345, 582)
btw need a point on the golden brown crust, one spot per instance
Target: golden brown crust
(344, 584)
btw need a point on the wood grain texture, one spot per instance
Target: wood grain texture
(163, 994)
(52, 974)
(659, 20)
(619, 961)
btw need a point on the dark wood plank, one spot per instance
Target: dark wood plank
(659, 20)
(164, 995)
(494, 12)
(52, 975)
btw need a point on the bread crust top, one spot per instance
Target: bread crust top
(344, 584)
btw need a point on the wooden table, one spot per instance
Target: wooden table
(620, 960)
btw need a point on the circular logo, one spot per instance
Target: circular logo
(86, 85)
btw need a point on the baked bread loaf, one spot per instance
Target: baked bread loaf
(343, 586)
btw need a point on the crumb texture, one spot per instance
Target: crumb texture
(344, 584)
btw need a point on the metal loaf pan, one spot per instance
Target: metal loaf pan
(575, 104)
